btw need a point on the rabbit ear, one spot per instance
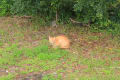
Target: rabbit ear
(49, 36)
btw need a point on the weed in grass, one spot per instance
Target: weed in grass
(93, 38)
(24, 72)
(1, 43)
(2, 32)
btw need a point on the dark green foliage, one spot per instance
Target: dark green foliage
(94, 11)
(23, 7)
(3, 7)
(100, 14)
(45, 8)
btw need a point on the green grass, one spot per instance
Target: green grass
(10, 54)
(42, 58)
(39, 58)
(91, 56)
(44, 53)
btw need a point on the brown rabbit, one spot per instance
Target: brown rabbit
(59, 41)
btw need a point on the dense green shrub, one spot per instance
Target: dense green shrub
(22, 7)
(45, 8)
(100, 14)
(114, 12)
(3, 7)
(95, 11)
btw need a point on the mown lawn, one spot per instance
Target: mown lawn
(25, 53)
